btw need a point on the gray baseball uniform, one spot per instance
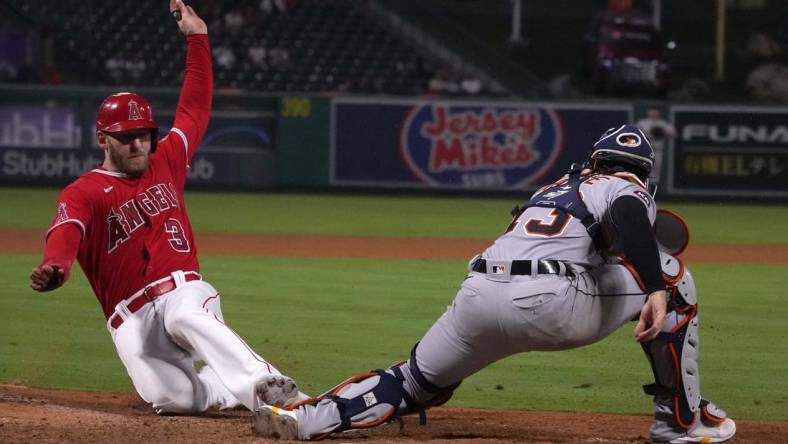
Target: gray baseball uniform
(494, 315)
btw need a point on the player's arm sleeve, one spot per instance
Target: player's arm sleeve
(67, 229)
(194, 105)
(633, 226)
(62, 245)
(73, 208)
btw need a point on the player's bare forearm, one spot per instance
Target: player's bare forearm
(652, 316)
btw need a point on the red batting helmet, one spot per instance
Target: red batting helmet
(126, 111)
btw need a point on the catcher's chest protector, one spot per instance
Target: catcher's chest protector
(564, 195)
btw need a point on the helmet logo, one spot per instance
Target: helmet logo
(134, 111)
(629, 139)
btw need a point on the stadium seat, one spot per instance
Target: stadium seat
(317, 45)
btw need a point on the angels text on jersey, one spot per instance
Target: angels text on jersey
(122, 222)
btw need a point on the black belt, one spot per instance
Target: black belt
(543, 266)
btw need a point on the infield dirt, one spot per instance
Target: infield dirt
(50, 416)
(213, 244)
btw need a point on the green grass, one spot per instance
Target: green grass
(712, 223)
(303, 213)
(54, 339)
(322, 320)
(481, 218)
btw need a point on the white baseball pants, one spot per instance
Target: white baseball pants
(160, 343)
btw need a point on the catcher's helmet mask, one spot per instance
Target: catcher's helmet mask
(126, 111)
(623, 149)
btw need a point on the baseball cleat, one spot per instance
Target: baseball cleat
(273, 422)
(276, 390)
(704, 434)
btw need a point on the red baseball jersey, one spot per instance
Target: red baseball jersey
(136, 230)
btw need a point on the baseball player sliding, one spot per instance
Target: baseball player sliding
(126, 223)
(578, 262)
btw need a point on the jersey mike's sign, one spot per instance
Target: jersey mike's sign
(730, 151)
(493, 145)
(480, 145)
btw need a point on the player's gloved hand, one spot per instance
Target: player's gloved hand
(652, 316)
(190, 22)
(47, 277)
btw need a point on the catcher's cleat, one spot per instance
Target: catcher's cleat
(273, 422)
(276, 390)
(705, 433)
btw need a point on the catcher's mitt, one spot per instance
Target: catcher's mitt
(671, 231)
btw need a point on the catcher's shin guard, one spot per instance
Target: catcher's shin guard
(365, 400)
(373, 398)
(673, 354)
(369, 399)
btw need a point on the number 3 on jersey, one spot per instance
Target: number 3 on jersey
(177, 237)
(551, 226)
